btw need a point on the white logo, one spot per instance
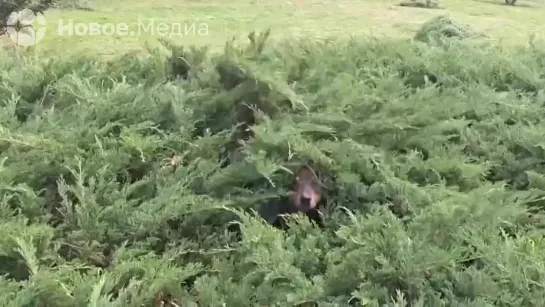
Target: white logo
(21, 27)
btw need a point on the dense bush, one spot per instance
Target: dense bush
(85, 5)
(428, 4)
(436, 150)
(443, 28)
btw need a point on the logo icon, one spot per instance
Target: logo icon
(21, 27)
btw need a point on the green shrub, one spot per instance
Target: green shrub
(86, 5)
(428, 4)
(443, 27)
(92, 214)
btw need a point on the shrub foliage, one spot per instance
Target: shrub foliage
(443, 27)
(437, 152)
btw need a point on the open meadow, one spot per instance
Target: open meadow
(127, 161)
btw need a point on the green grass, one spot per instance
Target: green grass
(317, 18)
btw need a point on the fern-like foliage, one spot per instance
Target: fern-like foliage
(433, 156)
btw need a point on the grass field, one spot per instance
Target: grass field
(433, 152)
(317, 18)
